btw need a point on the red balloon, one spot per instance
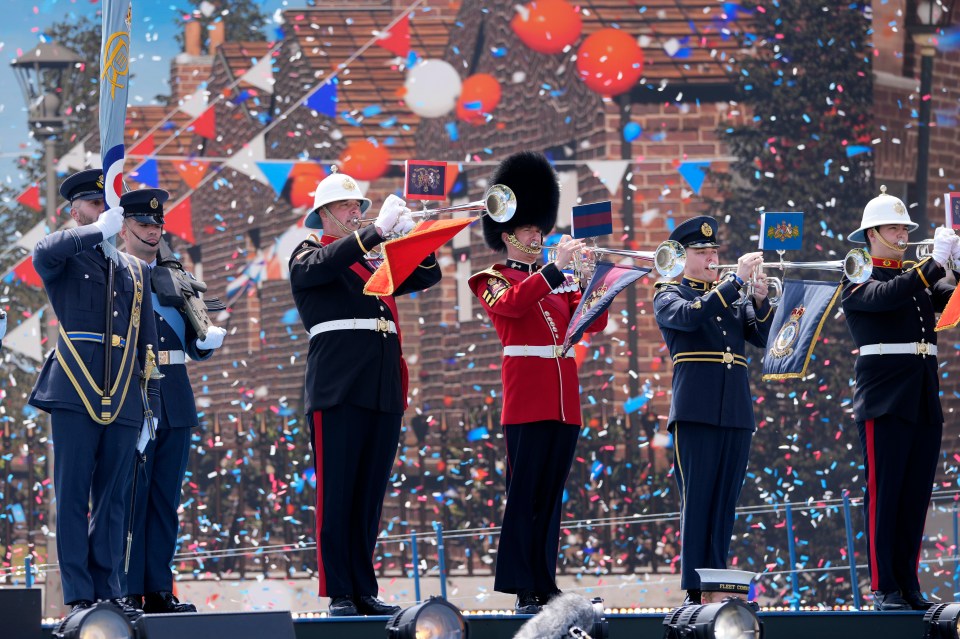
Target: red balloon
(547, 26)
(610, 61)
(304, 177)
(482, 89)
(364, 160)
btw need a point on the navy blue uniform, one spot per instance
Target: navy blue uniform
(355, 395)
(706, 328)
(156, 522)
(896, 405)
(93, 441)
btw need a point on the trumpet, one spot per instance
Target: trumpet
(856, 267)
(668, 259)
(925, 250)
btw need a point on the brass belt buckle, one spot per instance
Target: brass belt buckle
(558, 351)
(383, 326)
(114, 340)
(923, 349)
(163, 358)
(728, 358)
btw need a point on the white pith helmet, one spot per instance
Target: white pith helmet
(333, 188)
(881, 210)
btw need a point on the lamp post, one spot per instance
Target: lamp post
(923, 24)
(41, 74)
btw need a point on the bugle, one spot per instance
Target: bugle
(668, 259)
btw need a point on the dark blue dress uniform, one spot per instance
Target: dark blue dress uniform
(706, 327)
(93, 440)
(155, 517)
(354, 394)
(896, 405)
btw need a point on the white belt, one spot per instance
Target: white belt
(551, 352)
(910, 348)
(380, 325)
(171, 357)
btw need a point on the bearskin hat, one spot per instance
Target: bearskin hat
(535, 184)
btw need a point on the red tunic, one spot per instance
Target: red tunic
(525, 311)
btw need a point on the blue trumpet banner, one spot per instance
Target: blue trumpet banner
(804, 307)
(781, 231)
(425, 180)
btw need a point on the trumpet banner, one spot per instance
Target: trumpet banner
(608, 280)
(950, 316)
(803, 309)
(402, 255)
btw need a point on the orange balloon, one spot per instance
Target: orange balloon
(479, 96)
(610, 61)
(364, 160)
(547, 26)
(307, 169)
(301, 191)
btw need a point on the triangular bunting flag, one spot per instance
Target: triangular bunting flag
(192, 171)
(147, 173)
(609, 172)
(397, 39)
(142, 147)
(26, 273)
(569, 196)
(26, 339)
(260, 75)
(694, 173)
(73, 160)
(29, 239)
(31, 198)
(206, 125)
(276, 174)
(324, 100)
(194, 104)
(179, 220)
(245, 160)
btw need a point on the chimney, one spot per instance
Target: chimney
(191, 38)
(216, 36)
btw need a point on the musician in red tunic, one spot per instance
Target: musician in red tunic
(530, 308)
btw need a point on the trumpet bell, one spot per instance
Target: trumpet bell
(500, 202)
(670, 258)
(774, 290)
(857, 265)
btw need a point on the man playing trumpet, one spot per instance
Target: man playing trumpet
(706, 325)
(896, 401)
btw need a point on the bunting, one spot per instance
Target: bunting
(26, 273)
(26, 339)
(607, 281)
(396, 40)
(609, 172)
(73, 160)
(192, 172)
(260, 75)
(206, 124)
(29, 239)
(245, 160)
(179, 220)
(694, 173)
(31, 198)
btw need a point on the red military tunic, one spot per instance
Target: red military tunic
(534, 309)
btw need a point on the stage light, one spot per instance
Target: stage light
(100, 621)
(729, 619)
(433, 619)
(942, 621)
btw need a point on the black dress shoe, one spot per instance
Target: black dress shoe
(917, 601)
(163, 602)
(693, 598)
(76, 607)
(370, 605)
(527, 603)
(342, 607)
(131, 613)
(891, 600)
(134, 601)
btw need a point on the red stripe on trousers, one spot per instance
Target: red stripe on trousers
(318, 462)
(872, 515)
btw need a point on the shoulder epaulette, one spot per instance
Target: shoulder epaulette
(306, 246)
(664, 283)
(492, 271)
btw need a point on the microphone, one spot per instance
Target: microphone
(561, 617)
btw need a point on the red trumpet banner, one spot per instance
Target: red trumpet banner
(950, 316)
(402, 255)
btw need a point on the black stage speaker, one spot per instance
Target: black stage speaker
(218, 625)
(20, 613)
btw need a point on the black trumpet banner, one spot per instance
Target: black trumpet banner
(796, 326)
(608, 280)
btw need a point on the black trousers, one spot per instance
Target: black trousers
(354, 449)
(92, 465)
(539, 455)
(900, 462)
(156, 522)
(709, 466)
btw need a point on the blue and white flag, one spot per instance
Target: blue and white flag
(803, 309)
(608, 280)
(114, 83)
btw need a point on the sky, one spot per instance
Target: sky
(153, 45)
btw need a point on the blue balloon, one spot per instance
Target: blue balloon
(632, 131)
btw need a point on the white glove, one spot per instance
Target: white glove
(393, 207)
(943, 248)
(214, 339)
(955, 256)
(404, 225)
(146, 434)
(110, 222)
(943, 231)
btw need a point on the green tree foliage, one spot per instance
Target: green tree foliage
(804, 105)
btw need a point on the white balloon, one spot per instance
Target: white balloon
(433, 87)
